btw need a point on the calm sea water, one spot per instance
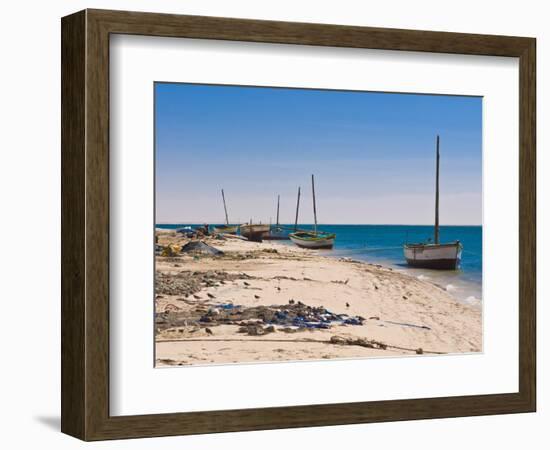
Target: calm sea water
(383, 244)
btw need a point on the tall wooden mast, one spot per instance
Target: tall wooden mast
(225, 209)
(278, 199)
(436, 226)
(297, 209)
(314, 207)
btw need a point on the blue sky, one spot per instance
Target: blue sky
(373, 155)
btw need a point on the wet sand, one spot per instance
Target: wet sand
(243, 306)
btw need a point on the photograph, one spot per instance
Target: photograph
(300, 224)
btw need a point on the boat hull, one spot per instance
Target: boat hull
(226, 229)
(316, 244)
(434, 256)
(254, 232)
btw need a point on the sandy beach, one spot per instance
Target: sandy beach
(264, 302)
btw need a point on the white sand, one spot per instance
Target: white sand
(400, 310)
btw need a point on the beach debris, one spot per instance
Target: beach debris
(347, 305)
(187, 282)
(291, 302)
(213, 311)
(419, 351)
(168, 251)
(405, 297)
(295, 315)
(197, 297)
(169, 308)
(208, 331)
(256, 329)
(412, 325)
(167, 361)
(210, 295)
(187, 232)
(375, 287)
(256, 296)
(270, 250)
(374, 318)
(246, 284)
(362, 342)
(232, 236)
(199, 247)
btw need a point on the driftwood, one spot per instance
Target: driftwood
(334, 340)
(362, 342)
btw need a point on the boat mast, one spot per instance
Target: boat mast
(225, 209)
(314, 208)
(436, 226)
(278, 198)
(297, 208)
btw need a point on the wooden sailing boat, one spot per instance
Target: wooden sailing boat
(227, 229)
(307, 239)
(434, 255)
(276, 233)
(254, 231)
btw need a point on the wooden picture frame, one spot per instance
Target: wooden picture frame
(85, 224)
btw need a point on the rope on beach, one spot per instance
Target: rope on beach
(335, 340)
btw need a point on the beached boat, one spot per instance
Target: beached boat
(311, 239)
(434, 255)
(314, 240)
(254, 231)
(225, 229)
(277, 232)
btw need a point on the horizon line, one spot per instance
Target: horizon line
(323, 224)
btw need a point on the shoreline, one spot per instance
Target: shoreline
(465, 285)
(245, 305)
(473, 290)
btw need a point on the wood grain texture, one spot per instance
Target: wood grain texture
(85, 224)
(527, 224)
(73, 275)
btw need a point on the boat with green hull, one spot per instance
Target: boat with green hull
(225, 229)
(315, 239)
(307, 239)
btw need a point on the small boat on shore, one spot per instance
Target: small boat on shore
(254, 231)
(311, 239)
(276, 233)
(315, 240)
(434, 255)
(225, 229)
